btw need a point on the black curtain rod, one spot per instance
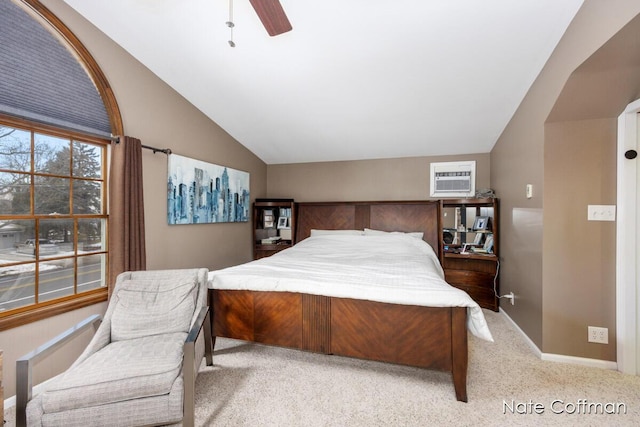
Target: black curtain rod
(166, 151)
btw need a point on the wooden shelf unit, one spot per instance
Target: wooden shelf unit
(475, 273)
(267, 214)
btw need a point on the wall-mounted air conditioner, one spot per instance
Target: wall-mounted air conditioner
(453, 179)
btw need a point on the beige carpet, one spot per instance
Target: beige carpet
(255, 385)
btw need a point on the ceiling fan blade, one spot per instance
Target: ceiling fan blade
(272, 15)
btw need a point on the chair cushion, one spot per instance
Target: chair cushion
(148, 307)
(121, 371)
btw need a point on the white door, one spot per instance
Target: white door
(628, 241)
(632, 157)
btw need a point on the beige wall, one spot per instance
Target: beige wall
(363, 180)
(579, 256)
(565, 281)
(160, 117)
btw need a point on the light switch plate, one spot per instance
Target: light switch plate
(601, 212)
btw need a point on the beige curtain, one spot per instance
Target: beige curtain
(126, 209)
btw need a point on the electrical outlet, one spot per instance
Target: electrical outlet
(598, 335)
(601, 212)
(509, 296)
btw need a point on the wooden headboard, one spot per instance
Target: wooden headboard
(403, 216)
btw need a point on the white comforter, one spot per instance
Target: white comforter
(392, 268)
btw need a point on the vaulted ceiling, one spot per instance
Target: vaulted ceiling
(354, 79)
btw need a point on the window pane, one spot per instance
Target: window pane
(92, 272)
(11, 238)
(51, 196)
(11, 234)
(56, 238)
(87, 160)
(25, 232)
(15, 151)
(17, 284)
(15, 193)
(56, 279)
(51, 155)
(91, 235)
(87, 197)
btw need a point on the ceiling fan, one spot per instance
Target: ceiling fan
(272, 15)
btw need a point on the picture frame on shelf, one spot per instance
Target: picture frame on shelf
(283, 222)
(488, 244)
(268, 218)
(478, 239)
(447, 237)
(481, 223)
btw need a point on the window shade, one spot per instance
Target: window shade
(41, 80)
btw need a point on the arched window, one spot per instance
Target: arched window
(57, 114)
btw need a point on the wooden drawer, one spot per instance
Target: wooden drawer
(470, 278)
(479, 286)
(488, 265)
(484, 297)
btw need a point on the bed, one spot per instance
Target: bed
(396, 309)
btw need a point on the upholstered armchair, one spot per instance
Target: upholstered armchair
(140, 366)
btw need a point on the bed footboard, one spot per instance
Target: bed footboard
(427, 337)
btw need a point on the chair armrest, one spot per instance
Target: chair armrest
(24, 365)
(194, 332)
(189, 369)
(203, 320)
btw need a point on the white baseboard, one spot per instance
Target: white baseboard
(583, 361)
(531, 344)
(561, 358)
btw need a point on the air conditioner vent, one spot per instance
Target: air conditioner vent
(453, 179)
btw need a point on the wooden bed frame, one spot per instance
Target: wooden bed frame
(428, 337)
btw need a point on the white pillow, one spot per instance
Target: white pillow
(370, 232)
(151, 307)
(315, 232)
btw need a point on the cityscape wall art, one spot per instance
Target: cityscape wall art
(199, 192)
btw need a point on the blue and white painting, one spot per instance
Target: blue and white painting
(199, 192)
